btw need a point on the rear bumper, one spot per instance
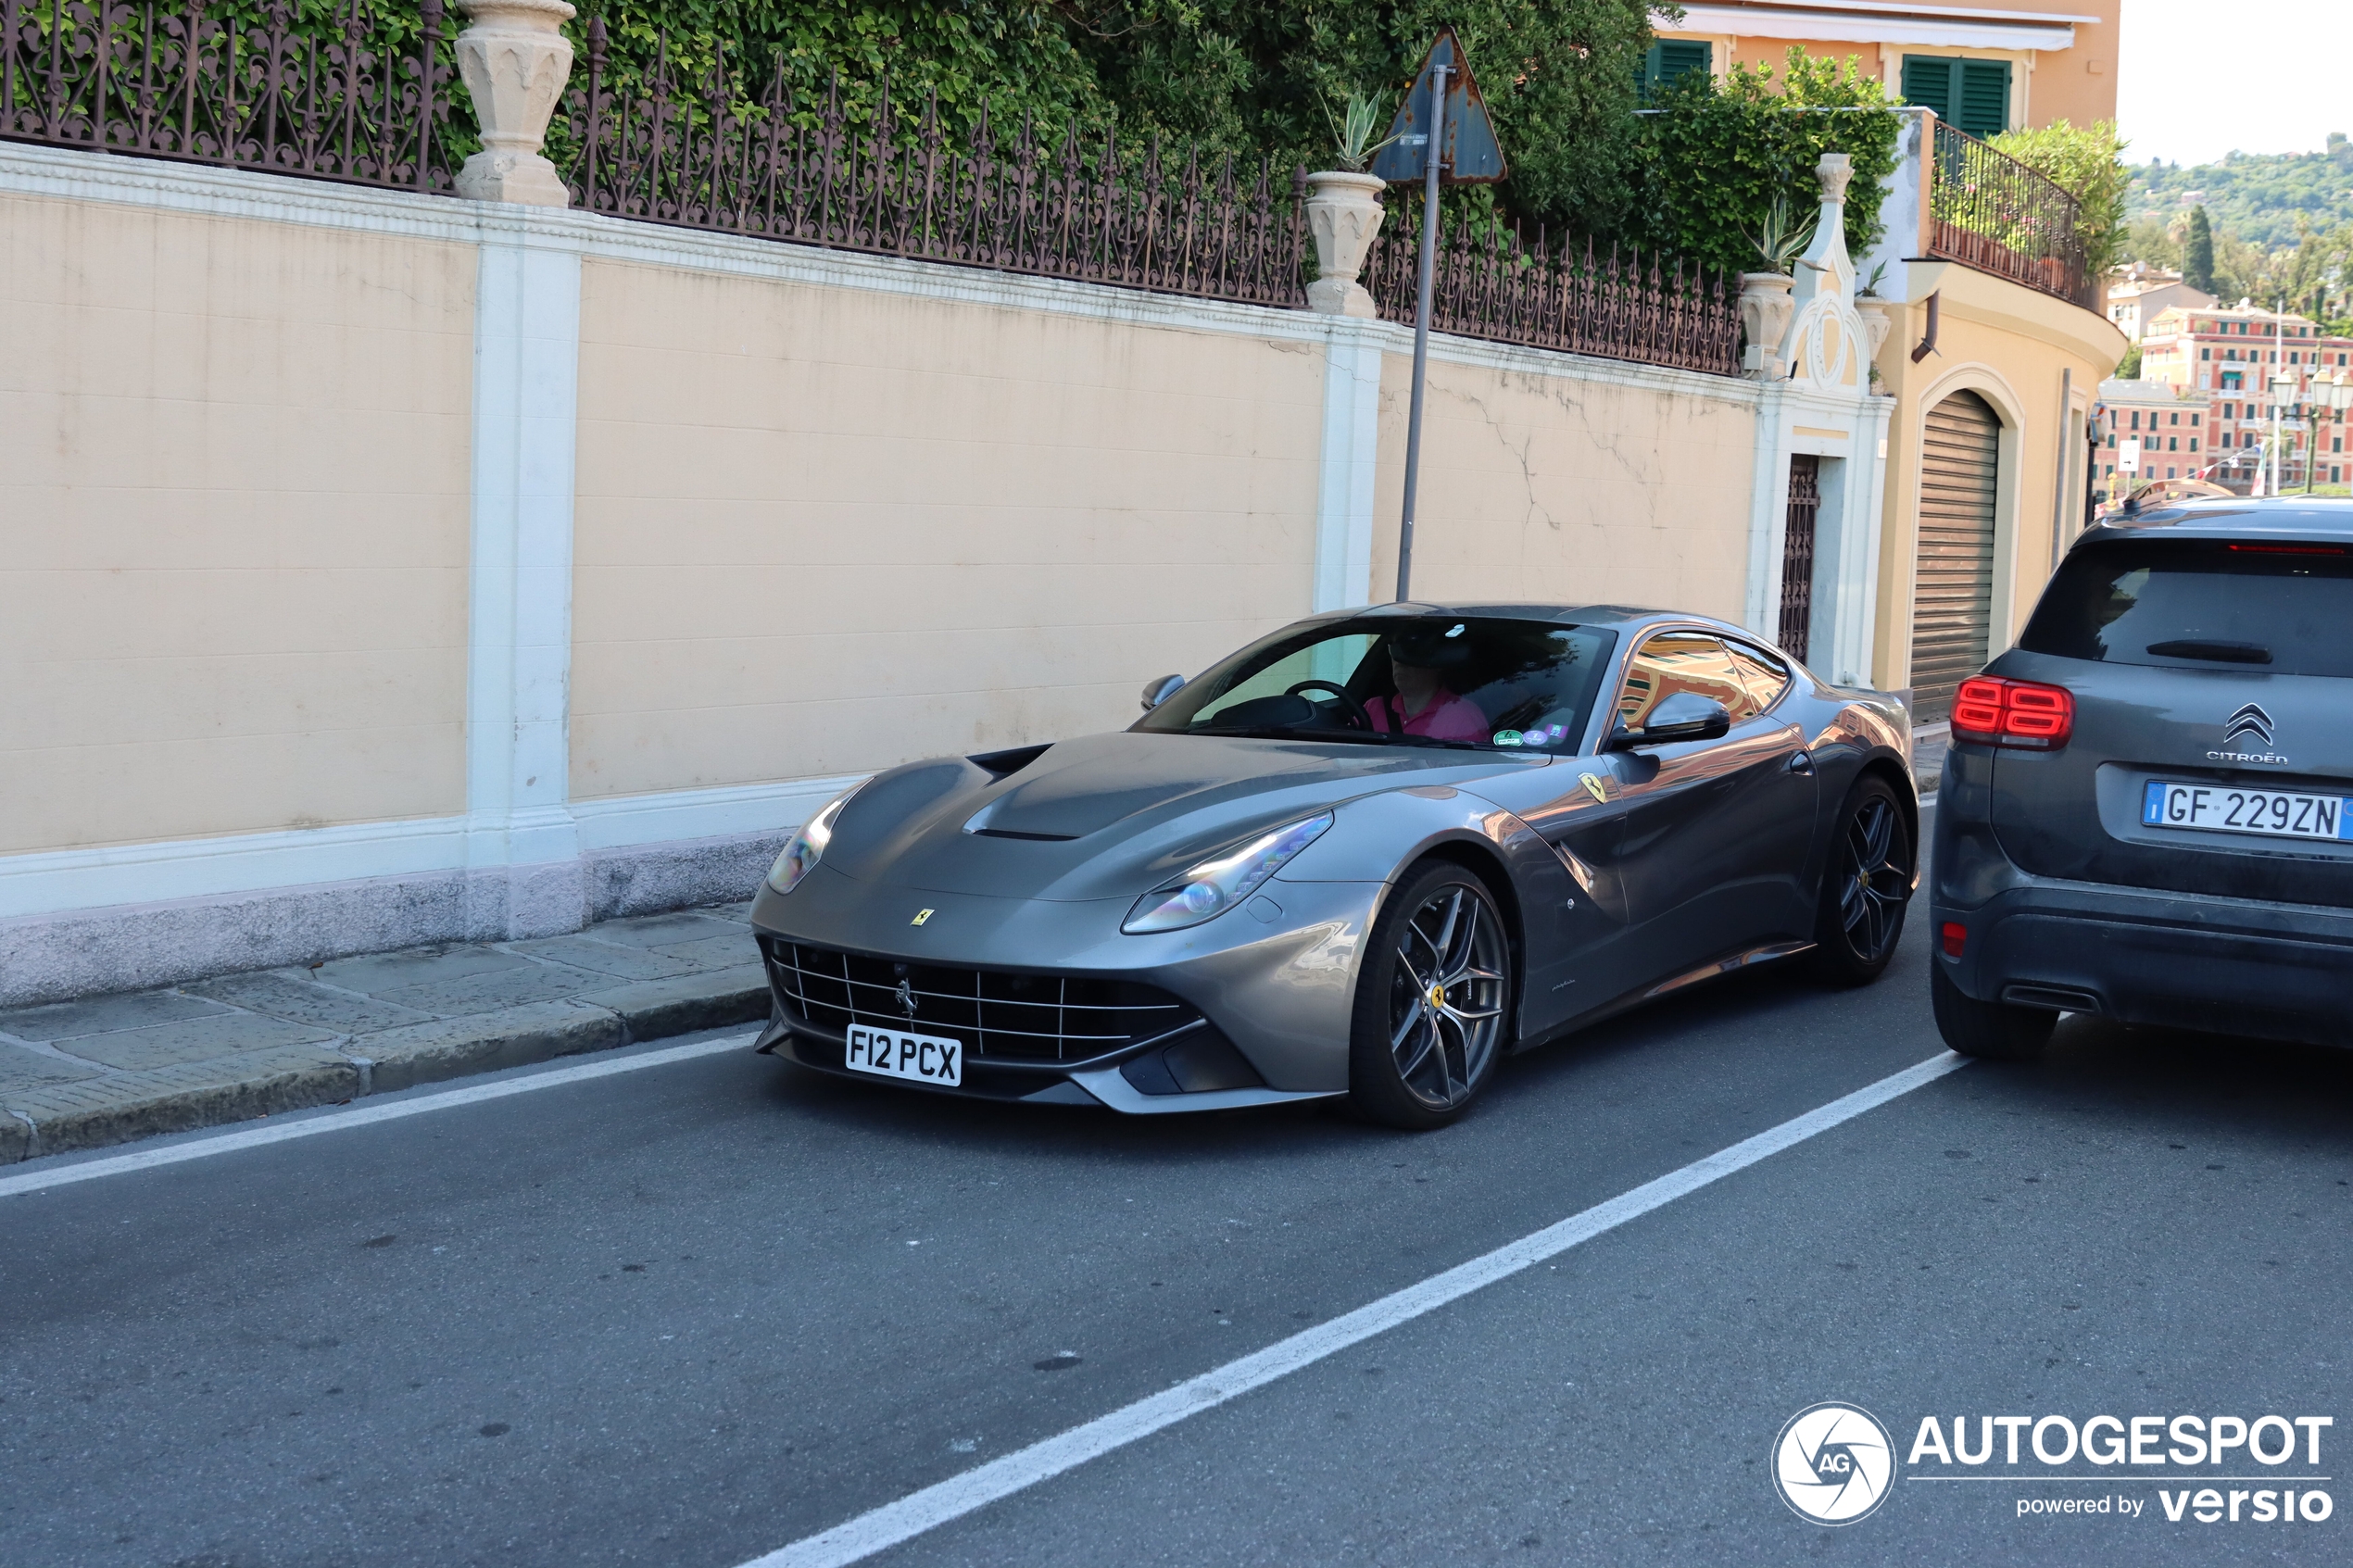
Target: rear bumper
(2237, 966)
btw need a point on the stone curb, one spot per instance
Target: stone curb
(93, 1112)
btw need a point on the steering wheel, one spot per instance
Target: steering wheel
(1356, 714)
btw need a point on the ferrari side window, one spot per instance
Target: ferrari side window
(1681, 661)
(1765, 675)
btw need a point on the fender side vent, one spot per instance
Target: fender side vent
(1033, 837)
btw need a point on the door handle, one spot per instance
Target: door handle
(1802, 763)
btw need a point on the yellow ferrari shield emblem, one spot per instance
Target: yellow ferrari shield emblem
(921, 916)
(1594, 787)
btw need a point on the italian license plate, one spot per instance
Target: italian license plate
(888, 1053)
(2275, 813)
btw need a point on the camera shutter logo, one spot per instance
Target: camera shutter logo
(1833, 1463)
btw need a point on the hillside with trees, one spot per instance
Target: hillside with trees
(2255, 197)
(2276, 229)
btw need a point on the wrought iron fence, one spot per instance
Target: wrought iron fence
(1989, 211)
(707, 155)
(176, 82)
(375, 100)
(1619, 304)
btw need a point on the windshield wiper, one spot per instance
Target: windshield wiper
(2212, 651)
(1287, 732)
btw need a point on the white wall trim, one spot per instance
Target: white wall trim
(618, 821)
(210, 191)
(56, 880)
(1351, 460)
(519, 637)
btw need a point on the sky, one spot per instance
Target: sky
(2198, 80)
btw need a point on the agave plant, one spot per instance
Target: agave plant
(1782, 241)
(1352, 131)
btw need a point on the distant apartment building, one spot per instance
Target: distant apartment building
(1995, 66)
(2140, 292)
(2165, 427)
(2225, 359)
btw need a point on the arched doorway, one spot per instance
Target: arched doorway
(1953, 581)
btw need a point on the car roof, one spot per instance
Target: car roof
(1613, 617)
(2274, 517)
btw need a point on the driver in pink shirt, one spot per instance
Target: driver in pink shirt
(1423, 706)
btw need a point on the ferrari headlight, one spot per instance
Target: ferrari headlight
(807, 846)
(1211, 888)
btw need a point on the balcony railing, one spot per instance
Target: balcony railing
(1989, 211)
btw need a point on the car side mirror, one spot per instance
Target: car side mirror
(1159, 691)
(1685, 716)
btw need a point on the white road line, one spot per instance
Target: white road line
(359, 1116)
(918, 1512)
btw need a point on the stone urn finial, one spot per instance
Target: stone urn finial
(1344, 213)
(1834, 171)
(514, 57)
(1766, 308)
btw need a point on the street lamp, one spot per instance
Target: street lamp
(2327, 396)
(2283, 385)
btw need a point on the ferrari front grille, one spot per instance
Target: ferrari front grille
(995, 1014)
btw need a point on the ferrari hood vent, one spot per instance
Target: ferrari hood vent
(1005, 764)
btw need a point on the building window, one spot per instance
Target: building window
(2192, 421)
(1973, 94)
(2173, 443)
(2192, 442)
(2206, 354)
(1671, 59)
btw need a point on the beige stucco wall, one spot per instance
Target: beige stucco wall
(1570, 489)
(822, 530)
(233, 524)
(2021, 351)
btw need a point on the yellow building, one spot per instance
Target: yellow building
(1996, 65)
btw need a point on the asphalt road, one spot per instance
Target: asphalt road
(691, 1314)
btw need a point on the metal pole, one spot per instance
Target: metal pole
(1421, 328)
(2065, 457)
(2279, 334)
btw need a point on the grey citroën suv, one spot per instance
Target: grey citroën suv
(2147, 809)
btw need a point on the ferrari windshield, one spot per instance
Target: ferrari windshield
(1439, 680)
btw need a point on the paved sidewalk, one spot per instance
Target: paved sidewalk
(104, 1069)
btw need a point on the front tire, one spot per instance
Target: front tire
(1990, 1031)
(1866, 886)
(1432, 1001)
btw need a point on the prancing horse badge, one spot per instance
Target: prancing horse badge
(921, 916)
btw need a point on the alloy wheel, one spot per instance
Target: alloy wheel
(1875, 878)
(1447, 997)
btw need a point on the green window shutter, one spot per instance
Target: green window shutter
(1671, 59)
(1984, 108)
(1972, 95)
(1927, 82)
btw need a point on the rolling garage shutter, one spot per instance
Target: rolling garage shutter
(1953, 588)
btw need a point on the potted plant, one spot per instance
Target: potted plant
(1766, 305)
(1344, 211)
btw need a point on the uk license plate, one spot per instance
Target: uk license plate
(2272, 813)
(888, 1053)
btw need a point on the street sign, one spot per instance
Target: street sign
(2128, 454)
(1468, 153)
